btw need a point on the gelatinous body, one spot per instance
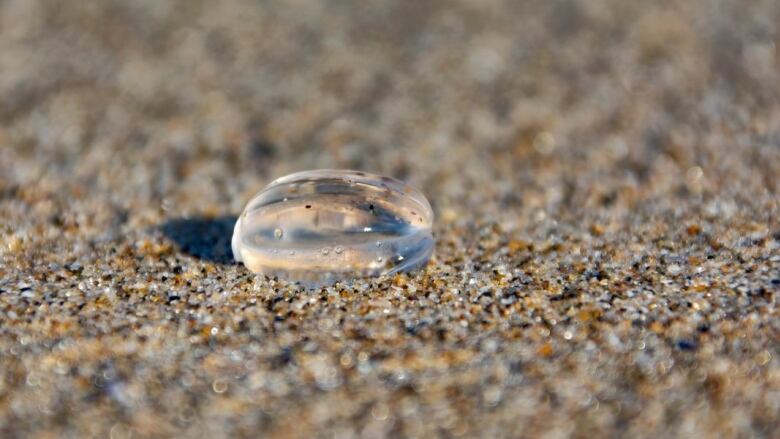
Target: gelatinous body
(320, 226)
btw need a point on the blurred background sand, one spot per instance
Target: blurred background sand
(603, 173)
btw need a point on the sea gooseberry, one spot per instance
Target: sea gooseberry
(318, 227)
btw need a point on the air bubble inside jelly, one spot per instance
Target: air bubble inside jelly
(318, 227)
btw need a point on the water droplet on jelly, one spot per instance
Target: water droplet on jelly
(354, 214)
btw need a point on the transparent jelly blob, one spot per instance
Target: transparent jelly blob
(318, 227)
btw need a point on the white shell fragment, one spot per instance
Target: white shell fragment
(321, 226)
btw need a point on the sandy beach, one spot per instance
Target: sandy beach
(603, 176)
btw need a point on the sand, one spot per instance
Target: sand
(603, 176)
